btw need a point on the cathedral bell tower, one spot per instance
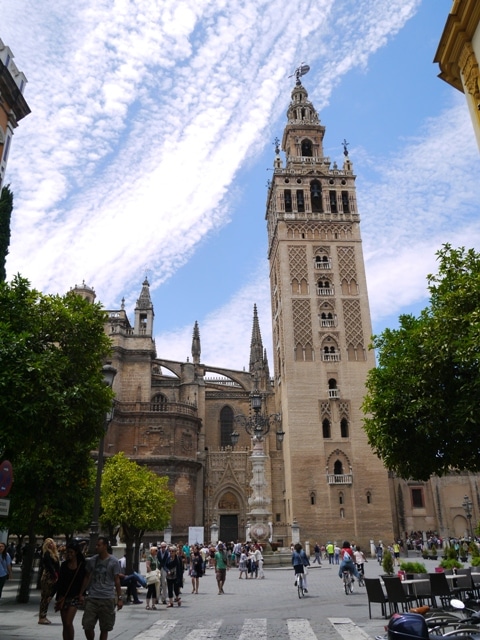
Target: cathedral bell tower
(334, 485)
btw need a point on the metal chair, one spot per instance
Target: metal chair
(463, 583)
(440, 588)
(376, 594)
(423, 590)
(397, 595)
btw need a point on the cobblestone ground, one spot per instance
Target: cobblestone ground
(266, 609)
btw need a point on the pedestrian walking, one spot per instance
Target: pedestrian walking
(5, 566)
(51, 570)
(102, 577)
(72, 575)
(221, 567)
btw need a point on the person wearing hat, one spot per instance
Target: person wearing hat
(221, 566)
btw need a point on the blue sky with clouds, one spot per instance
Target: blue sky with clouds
(150, 144)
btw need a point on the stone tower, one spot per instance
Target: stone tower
(333, 484)
(13, 106)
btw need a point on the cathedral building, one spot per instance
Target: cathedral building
(310, 474)
(13, 106)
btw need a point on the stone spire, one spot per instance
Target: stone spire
(144, 301)
(196, 348)
(256, 345)
(144, 312)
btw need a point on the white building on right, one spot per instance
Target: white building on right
(459, 52)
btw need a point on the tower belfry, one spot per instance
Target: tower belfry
(321, 332)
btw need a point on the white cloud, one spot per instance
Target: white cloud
(143, 113)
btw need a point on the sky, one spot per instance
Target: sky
(151, 140)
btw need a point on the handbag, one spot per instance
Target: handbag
(61, 601)
(152, 577)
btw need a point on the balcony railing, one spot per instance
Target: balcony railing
(331, 357)
(161, 407)
(323, 265)
(339, 478)
(333, 393)
(327, 323)
(326, 292)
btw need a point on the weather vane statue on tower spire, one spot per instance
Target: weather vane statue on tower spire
(299, 72)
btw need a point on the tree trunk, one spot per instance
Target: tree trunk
(136, 552)
(23, 595)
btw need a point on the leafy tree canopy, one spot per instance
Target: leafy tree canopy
(423, 399)
(52, 402)
(134, 497)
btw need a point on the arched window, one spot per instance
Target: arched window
(344, 428)
(159, 402)
(333, 201)
(345, 202)
(307, 150)
(338, 468)
(287, 194)
(300, 201)
(313, 498)
(226, 427)
(326, 430)
(316, 196)
(369, 497)
(340, 498)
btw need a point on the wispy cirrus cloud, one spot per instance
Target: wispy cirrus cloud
(145, 113)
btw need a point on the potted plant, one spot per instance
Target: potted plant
(475, 559)
(425, 553)
(433, 552)
(464, 552)
(413, 567)
(387, 563)
(451, 563)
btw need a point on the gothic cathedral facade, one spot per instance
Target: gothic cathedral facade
(322, 481)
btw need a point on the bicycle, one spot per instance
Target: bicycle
(361, 575)
(299, 584)
(348, 582)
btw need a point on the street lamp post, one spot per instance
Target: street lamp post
(467, 506)
(258, 425)
(109, 373)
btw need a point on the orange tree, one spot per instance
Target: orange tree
(423, 399)
(136, 499)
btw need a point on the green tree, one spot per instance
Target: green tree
(52, 406)
(135, 498)
(6, 207)
(423, 399)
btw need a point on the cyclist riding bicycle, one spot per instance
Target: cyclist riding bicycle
(347, 563)
(360, 560)
(299, 562)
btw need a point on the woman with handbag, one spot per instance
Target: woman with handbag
(174, 569)
(153, 577)
(51, 569)
(72, 573)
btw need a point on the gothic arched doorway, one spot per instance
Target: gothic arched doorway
(228, 509)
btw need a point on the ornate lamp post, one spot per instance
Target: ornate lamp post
(467, 506)
(109, 374)
(257, 425)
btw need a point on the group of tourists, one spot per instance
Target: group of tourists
(103, 576)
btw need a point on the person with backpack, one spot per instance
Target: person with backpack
(347, 561)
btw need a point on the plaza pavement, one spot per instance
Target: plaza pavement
(249, 610)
